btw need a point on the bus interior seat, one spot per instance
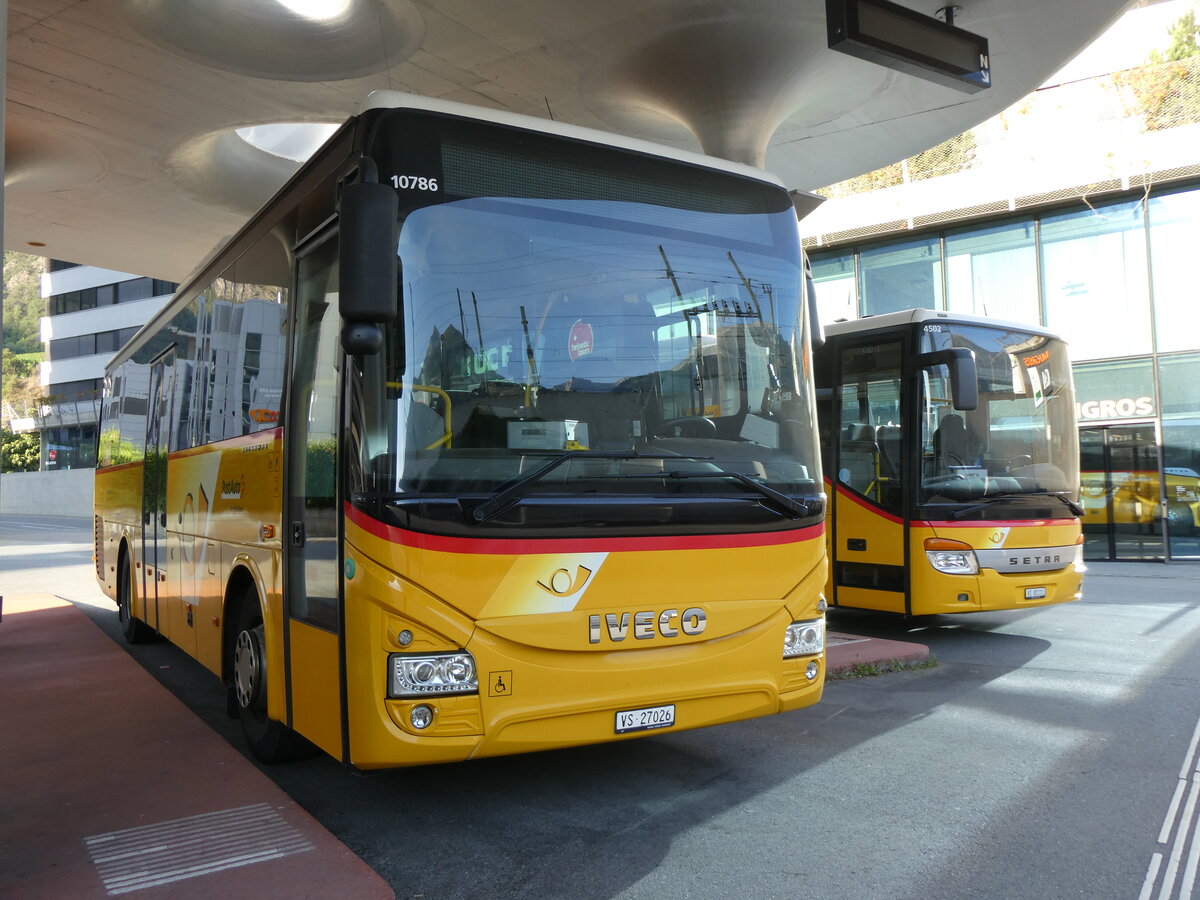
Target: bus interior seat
(888, 438)
(950, 442)
(857, 456)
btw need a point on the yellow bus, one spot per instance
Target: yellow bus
(952, 457)
(485, 435)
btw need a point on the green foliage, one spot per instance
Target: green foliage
(1185, 40)
(954, 155)
(19, 452)
(319, 470)
(115, 451)
(869, 670)
(1166, 91)
(23, 302)
(22, 388)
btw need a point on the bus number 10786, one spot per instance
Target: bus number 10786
(414, 183)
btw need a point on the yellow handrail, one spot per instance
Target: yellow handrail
(447, 432)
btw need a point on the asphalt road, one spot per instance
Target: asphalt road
(1050, 754)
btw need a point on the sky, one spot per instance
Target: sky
(1126, 44)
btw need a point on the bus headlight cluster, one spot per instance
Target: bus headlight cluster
(951, 557)
(421, 676)
(804, 638)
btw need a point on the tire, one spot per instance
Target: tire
(269, 740)
(1179, 519)
(134, 629)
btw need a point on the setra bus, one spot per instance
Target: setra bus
(951, 453)
(485, 435)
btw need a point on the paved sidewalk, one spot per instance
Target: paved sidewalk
(109, 785)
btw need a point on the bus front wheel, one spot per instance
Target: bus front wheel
(269, 740)
(133, 629)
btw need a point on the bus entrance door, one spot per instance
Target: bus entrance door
(154, 491)
(868, 559)
(313, 562)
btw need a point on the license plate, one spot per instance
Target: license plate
(1035, 593)
(645, 719)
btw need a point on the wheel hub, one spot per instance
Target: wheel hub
(247, 667)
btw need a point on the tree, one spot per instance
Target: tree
(1166, 91)
(1185, 40)
(22, 301)
(19, 452)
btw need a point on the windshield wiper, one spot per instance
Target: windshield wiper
(797, 509)
(1009, 498)
(507, 496)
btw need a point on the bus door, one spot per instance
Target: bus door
(154, 491)
(312, 514)
(868, 544)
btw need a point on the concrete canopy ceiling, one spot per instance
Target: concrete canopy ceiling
(122, 116)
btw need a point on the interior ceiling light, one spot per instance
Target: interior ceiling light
(290, 140)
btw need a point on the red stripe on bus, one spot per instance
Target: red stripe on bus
(869, 506)
(514, 546)
(993, 523)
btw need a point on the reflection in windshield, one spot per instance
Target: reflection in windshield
(1020, 440)
(661, 340)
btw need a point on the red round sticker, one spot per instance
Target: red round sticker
(579, 342)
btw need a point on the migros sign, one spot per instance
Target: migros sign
(1123, 408)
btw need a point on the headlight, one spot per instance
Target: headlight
(951, 557)
(420, 676)
(804, 638)
(1080, 566)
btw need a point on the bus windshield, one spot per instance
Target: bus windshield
(659, 347)
(1020, 440)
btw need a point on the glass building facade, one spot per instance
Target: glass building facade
(1115, 279)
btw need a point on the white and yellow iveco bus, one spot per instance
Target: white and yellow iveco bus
(486, 435)
(952, 456)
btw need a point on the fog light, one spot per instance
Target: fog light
(421, 717)
(804, 638)
(810, 672)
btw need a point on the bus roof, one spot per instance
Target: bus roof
(918, 316)
(401, 100)
(802, 201)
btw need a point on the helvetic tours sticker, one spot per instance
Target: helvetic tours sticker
(579, 342)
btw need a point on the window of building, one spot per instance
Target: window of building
(69, 447)
(1096, 281)
(993, 272)
(70, 391)
(837, 291)
(1179, 379)
(1114, 389)
(1174, 223)
(136, 289)
(901, 276)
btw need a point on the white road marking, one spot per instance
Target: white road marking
(1184, 828)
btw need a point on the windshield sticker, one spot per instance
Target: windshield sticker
(579, 342)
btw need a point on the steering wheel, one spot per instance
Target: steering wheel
(700, 426)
